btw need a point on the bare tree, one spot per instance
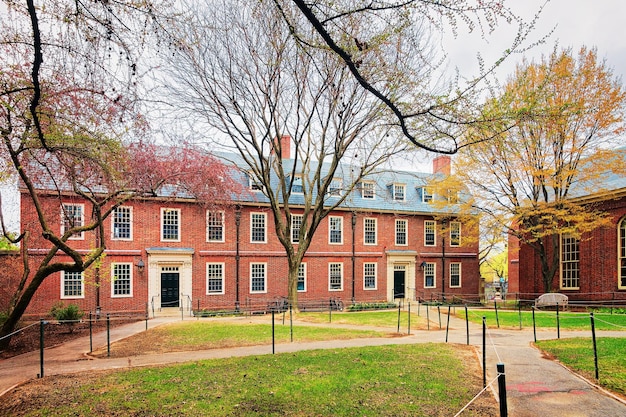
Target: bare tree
(238, 67)
(432, 116)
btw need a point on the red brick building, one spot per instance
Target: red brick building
(592, 268)
(383, 244)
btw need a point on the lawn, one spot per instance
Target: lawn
(214, 334)
(545, 319)
(396, 380)
(577, 354)
(387, 318)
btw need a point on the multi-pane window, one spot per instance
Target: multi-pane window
(170, 224)
(215, 278)
(570, 262)
(257, 227)
(335, 186)
(296, 223)
(429, 275)
(453, 196)
(368, 190)
(335, 276)
(258, 277)
(296, 185)
(622, 254)
(427, 195)
(122, 223)
(252, 184)
(369, 275)
(72, 215)
(401, 230)
(455, 274)
(215, 226)
(302, 277)
(72, 285)
(122, 280)
(429, 233)
(369, 236)
(455, 234)
(335, 229)
(399, 192)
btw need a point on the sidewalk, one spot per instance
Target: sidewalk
(535, 386)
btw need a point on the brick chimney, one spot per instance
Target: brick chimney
(442, 165)
(285, 147)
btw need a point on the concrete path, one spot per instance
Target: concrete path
(535, 386)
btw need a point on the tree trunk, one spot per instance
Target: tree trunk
(16, 313)
(549, 260)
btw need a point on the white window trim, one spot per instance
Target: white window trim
(255, 188)
(373, 190)
(561, 286)
(130, 269)
(434, 232)
(426, 193)
(403, 186)
(293, 216)
(264, 278)
(330, 230)
(621, 246)
(335, 191)
(329, 268)
(72, 297)
(406, 232)
(434, 275)
(206, 273)
(132, 218)
(375, 287)
(375, 231)
(297, 179)
(81, 235)
(305, 276)
(264, 228)
(460, 275)
(163, 210)
(458, 244)
(221, 212)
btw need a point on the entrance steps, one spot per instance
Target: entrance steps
(168, 312)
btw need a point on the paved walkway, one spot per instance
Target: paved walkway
(535, 386)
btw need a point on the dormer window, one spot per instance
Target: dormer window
(427, 195)
(368, 190)
(296, 185)
(252, 184)
(335, 186)
(399, 192)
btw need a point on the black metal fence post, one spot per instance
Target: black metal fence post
(534, 325)
(558, 323)
(273, 334)
(409, 318)
(466, 324)
(41, 346)
(495, 305)
(90, 334)
(108, 334)
(398, 331)
(484, 351)
(595, 346)
(502, 390)
(448, 323)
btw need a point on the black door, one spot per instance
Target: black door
(398, 284)
(169, 289)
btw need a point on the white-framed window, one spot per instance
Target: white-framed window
(335, 276)
(452, 196)
(72, 285)
(570, 262)
(258, 278)
(258, 229)
(214, 226)
(252, 184)
(368, 190)
(122, 280)
(302, 277)
(369, 275)
(335, 187)
(429, 233)
(335, 230)
(399, 192)
(429, 275)
(122, 223)
(401, 232)
(455, 234)
(621, 273)
(214, 278)
(296, 223)
(427, 194)
(72, 215)
(296, 185)
(170, 225)
(455, 275)
(369, 231)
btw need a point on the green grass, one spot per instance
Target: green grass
(546, 319)
(399, 380)
(577, 354)
(388, 319)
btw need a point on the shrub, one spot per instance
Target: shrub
(69, 314)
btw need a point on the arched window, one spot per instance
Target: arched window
(621, 273)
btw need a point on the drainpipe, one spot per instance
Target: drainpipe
(237, 234)
(443, 263)
(353, 255)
